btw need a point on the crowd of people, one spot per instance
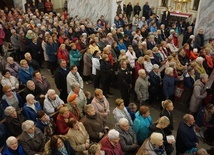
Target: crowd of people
(140, 57)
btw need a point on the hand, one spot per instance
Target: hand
(60, 106)
(42, 96)
(86, 145)
(101, 134)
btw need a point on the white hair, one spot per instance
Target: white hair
(26, 125)
(113, 134)
(10, 139)
(155, 138)
(155, 66)
(9, 110)
(203, 76)
(168, 70)
(50, 91)
(123, 121)
(199, 59)
(29, 96)
(195, 50)
(141, 71)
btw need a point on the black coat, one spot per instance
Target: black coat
(14, 125)
(68, 148)
(170, 127)
(35, 50)
(129, 9)
(37, 92)
(155, 82)
(124, 80)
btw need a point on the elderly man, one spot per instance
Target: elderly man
(73, 76)
(128, 139)
(60, 79)
(12, 66)
(32, 139)
(52, 102)
(186, 140)
(110, 144)
(199, 40)
(16, 44)
(31, 62)
(32, 89)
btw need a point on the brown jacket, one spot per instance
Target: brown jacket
(33, 145)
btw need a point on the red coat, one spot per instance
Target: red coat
(175, 40)
(109, 148)
(209, 61)
(137, 68)
(48, 6)
(62, 127)
(193, 55)
(2, 35)
(63, 55)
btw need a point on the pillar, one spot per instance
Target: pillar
(192, 4)
(159, 3)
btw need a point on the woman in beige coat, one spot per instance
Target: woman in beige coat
(78, 137)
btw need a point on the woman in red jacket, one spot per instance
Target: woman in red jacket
(63, 53)
(62, 120)
(48, 6)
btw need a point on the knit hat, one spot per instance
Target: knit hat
(113, 134)
(71, 97)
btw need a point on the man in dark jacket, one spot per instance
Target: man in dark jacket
(186, 140)
(124, 82)
(199, 40)
(60, 79)
(146, 10)
(137, 9)
(129, 10)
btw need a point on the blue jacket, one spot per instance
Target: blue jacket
(52, 50)
(25, 76)
(121, 46)
(168, 86)
(5, 104)
(7, 151)
(75, 57)
(29, 113)
(141, 127)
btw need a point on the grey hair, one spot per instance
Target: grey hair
(141, 71)
(203, 76)
(29, 82)
(74, 85)
(156, 137)
(168, 70)
(50, 91)
(123, 121)
(10, 139)
(88, 107)
(29, 96)
(9, 58)
(26, 125)
(8, 110)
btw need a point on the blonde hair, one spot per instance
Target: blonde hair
(118, 102)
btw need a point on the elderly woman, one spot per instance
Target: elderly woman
(128, 139)
(12, 66)
(13, 121)
(81, 98)
(11, 98)
(101, 104)
(153, 145)
(74, 55)
(168, 83)
(58, 145)
(25, 72)
(31, 107)
(138, 65)
(12, 147)
(121, 112)
(9, 80)
(41, 81)
(167, 111)
(62, 120)
(142, 87)
(147, 64)
(87, 66)
(32, 139)
(110, 144)
(63, 53)
(159, 127)
(52, 102)
(78, 137)
(94, 149)
(200, 68)
(74, 107)
(141, 124)
(199, 93)
(94, 123)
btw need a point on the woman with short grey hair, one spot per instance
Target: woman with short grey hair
(31, 107)
(12, 147)
(32, 139)
(128, 139)
(153, 145)
(13, 121)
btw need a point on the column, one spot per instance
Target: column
(192, 4)
(114, 9)
(169, 3)
(159, 3)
